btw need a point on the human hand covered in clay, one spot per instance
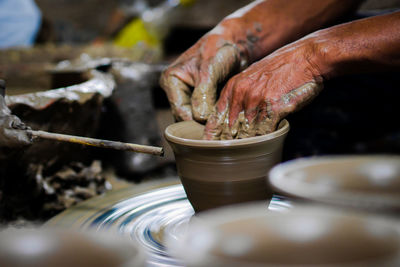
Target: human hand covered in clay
(210, 61)
(254, 101)
(12, 131)
(241, 38)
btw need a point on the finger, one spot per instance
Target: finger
(246, 97)
(251, 109)
(298, 98)
(266, 120)
(229, 130)
(217, 70)
(247, 128)
(218, 119)
(214, 126)
(226, 133)
(240, 123)
(235, 116)
(178, 94)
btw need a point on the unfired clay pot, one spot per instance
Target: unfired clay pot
(217, 173)
(248, 235)
(363, 182)
(66, 248)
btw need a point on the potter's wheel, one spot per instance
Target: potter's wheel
(144, 212)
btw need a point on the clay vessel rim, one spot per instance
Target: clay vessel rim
(278, 173)
(225, 143)
(343, 195)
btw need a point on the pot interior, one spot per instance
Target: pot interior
(190, 133)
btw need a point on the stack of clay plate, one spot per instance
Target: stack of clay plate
(364, 182)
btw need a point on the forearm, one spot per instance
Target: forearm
(366, 45)
(264, 26)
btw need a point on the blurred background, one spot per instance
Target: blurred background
(91, 68)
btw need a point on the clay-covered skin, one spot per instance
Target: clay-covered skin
(254, 101)
(243, 37)
(12, 131)
(202, 67)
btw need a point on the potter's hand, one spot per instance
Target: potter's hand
(12, 131)
(254, 101)
(202, 67)
(241, 38)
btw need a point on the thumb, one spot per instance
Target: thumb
(178, 94)
(226, 60)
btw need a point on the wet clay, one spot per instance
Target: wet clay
(217, 173)
(362, 182)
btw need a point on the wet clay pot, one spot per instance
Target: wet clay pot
(368, 182)
(217, 173)
(248, 235)
(47, 247)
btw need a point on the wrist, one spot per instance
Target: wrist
(249, 29)
(258, 29)
(339, 51)
(325, 53)
(252, 42)
(234, 33)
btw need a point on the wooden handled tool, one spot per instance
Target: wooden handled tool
(158, 151)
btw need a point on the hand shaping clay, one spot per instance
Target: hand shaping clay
(268, 115)
(204, 96)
